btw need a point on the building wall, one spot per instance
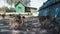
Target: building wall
(43, 12)
(33, 10)
(27, 9)
(52, 10)
(22, 9)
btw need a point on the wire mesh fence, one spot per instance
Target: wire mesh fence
(30, 25)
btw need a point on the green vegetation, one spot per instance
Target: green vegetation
(6, 9)
(13, 1)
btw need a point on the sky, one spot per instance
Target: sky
(34, 3)
(4, 3)
(37, 3)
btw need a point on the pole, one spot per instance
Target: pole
(4, 6)
(11, 3)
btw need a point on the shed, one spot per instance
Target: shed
(21, 8)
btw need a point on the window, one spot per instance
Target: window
(19, 7)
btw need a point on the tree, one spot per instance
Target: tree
(11, 10)
(10, 2)
(4, 8)
(13, 1)
(0, 9)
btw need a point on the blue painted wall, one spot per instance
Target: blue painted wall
(54, 10)
(43, 12)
